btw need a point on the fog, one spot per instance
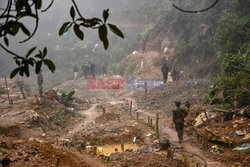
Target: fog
(140, 20)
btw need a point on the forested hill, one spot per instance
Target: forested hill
(190, 36)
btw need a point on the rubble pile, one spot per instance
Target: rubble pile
(229, 127)
(227, 131)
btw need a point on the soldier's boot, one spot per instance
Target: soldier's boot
(181, 135)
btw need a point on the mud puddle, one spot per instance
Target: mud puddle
(106, 150)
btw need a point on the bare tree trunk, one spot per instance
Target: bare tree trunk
(7, 88)
(22, 92)
(40, 83)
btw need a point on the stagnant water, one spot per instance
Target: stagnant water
(106, 150)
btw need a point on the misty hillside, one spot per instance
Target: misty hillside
(190, 38)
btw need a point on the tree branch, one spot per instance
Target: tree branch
(10, 52)
(37, 21)
(5, 10)
(75, 5)
(51, 3)
(8, 13)
(196, 11)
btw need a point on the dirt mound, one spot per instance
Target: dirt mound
(139, 160)
(163, 99)
(110, 116)
(36, 118)
(148, 65)
(24, 153)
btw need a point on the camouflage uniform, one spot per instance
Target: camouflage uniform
(178, 118)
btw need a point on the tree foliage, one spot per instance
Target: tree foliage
(233, 46)
(11, 23)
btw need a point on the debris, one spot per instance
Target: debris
(238, 121)
(156, 141)
(134, 139)
(202, 118)
(176, 147)
(247, 136)
(88, 148)
(149, 134)
(217, 150)
(244, 146)
(164, 144)
(32, 114)
(240, 132)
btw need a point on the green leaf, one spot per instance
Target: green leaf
(62, 29)
(50, 65)
(24, 29)
(6, 41)
(15, 28)
(116, 30)
(19, 5)
(18, 62)
(96, 19)
(8, 27)
(30, 52)
(72, 12)
(78, 32)
(38, 4)
(103, 35)
(38, 66)
(31, 61)
(105, 15)
(44, 52)
(38, 56)
(14, 72)
(26, 70)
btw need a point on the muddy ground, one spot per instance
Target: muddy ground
(97, 124)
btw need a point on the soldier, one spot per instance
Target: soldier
(40, 83)
(164, 70)
(75, 70)
(85, 70)
(176, 75)
(92, 69)
(178, 118)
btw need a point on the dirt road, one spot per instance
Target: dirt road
(159, 101)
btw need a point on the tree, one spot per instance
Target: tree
(11, 23)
